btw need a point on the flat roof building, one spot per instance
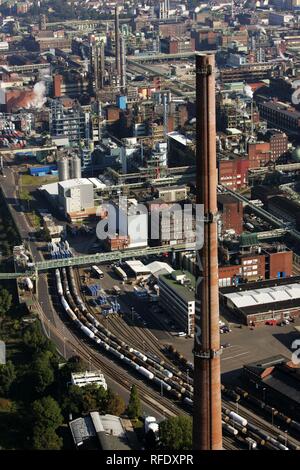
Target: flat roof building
(177, 297)
(81, 379)
(263, 301)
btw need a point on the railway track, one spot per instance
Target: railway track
(92, 356)
(133, 335)
(126, 380)
(166, 406)
(258, 421)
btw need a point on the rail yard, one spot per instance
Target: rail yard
(248, 423)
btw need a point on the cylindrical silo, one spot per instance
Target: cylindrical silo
(76, 167)
(63, 169)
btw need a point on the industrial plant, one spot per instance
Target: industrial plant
(150, 227)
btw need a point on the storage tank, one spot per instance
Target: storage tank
(153, 427)
(76, 167)
(63, 169)
(148, 421)
(29, 283)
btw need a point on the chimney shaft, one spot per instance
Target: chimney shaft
(207, 419)
(117, 41)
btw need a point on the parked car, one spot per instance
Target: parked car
(271, 322)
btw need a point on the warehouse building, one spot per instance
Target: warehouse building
(276, 380)
(177, 298)
(102, 432)
(264, 301)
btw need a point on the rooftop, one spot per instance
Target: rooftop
(185, 291)
(266, 295)
(74, 182)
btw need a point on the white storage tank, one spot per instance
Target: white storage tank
(149, 420)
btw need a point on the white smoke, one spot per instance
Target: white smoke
(248, 91)
(39, 98)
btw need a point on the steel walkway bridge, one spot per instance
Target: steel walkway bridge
(97, 258)
(272, 219)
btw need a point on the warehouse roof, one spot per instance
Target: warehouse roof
(263, 296)
(137, 266)
(74, 182)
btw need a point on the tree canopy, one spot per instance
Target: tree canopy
(47, 440)
(134, 405)
(46, 413)
(7, 377)
(46, 418)
(176, 433)
(5, 301)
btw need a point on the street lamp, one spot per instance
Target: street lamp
(264, 394)
(272, 416)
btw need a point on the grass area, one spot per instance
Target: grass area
(35, 181)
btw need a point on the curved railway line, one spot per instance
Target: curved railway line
(131, 334)
(148, 396)
(233, 438)
(88, 354)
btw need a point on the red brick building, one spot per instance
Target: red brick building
(260, 265)
(259, 154)
(231, 212)
(174, 45)
(233, 172)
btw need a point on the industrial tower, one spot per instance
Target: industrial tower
(207, 418)
(117, 42)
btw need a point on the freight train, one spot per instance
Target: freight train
(153, 370)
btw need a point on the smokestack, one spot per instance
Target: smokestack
(123, 62)
(98, 67)
(207, 420)
(117, 41)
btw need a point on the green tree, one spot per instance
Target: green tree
(5, 301)
(176, 433)
(73, 402)
(43, 373)
(134, 405)
(46, 414)
(7, 377)
(46, 439)
(115, 404)
(35, 340)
